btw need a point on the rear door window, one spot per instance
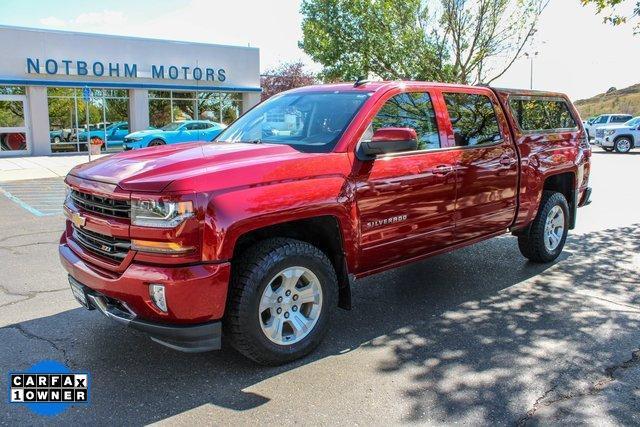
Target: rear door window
(540, 114)
(620, 119)
(473, 119)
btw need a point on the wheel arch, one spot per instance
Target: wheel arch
(564, 183)
(629, 136)
(156, 138)
(323, 231)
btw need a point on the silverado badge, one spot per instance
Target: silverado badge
(78, 220)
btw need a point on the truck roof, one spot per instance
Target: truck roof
(375, 86)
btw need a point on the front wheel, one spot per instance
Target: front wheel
(622, 145)
(548, 231)
(156, 143)
(281, 297)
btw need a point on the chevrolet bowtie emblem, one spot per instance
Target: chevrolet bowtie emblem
(78, 220)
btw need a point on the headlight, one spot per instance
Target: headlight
(609, 132)
(67, 193)
(159, 213)
(135, 139)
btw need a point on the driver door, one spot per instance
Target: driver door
(189, 132)
(406, 200)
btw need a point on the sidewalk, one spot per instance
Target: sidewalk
(22, 168)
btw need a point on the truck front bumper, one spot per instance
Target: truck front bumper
(187, 338)
(195, 296)
(604, 142)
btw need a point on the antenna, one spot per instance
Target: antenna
(361, 81)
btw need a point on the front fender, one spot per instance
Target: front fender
(233, 213)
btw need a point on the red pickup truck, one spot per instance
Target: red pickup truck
(260, 234)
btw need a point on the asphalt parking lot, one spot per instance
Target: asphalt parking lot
(478, 336)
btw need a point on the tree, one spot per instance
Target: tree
(286, 76)
(612, 8)
(466, 41)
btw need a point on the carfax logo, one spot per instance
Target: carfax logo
(48, 388)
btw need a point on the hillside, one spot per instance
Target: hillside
(625, 101)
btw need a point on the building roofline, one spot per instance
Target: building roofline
(115, 36)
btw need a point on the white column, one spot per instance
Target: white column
(38, 120)
(249, 99)
(138, 109)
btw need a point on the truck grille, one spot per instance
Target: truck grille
(102, 205)
(599, 133)
(99, 244)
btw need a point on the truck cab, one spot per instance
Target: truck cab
(259, 235)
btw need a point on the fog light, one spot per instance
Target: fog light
(157, 295)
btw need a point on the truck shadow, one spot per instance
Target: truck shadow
(475, 330)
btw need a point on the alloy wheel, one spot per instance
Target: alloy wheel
(290, 305)
(554, 228)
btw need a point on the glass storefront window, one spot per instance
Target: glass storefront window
(13, 141)
(209, 106)
(11, 114)
(12, 90)
(108, 116)
(171, 106)
(231, 106)
(13, 124)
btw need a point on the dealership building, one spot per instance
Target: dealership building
(58, 89)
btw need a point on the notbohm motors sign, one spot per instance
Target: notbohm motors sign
(48, 388)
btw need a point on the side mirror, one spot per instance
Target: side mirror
(388, 140)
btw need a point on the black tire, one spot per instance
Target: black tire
(251, 273)
(156, 143)
(607, 149)
(532, 244)
(623, 145)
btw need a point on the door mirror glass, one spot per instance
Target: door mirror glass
(388, 140)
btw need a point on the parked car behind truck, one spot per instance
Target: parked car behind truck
(174, 133)
(257, 236)
(605, 120)
(621, 137)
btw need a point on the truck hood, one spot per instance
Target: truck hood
(153, 169)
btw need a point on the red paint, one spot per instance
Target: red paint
(390, 211)
(394, 134)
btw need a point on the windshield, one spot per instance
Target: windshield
(633, 122)
(311, 122)
(171, 126)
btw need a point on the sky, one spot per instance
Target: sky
(578, 54)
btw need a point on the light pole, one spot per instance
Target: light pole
(531, 56)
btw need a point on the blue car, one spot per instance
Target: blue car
(174, 133)
(114, 133)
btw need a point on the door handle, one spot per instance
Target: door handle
(442, 170)
(507, 161)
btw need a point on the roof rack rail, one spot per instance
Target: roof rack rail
(360, 81)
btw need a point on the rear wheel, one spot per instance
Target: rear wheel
(622, 145)
(156, 143)
(281, 297)
(548, 231)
